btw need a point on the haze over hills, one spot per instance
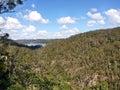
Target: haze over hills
(87, 61)
(28, 41)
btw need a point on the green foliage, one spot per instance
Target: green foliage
(16, 86)
(87, 58)
(88, 61)
(4, 69)
(100, 86)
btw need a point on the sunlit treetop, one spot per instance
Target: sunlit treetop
(8, 5)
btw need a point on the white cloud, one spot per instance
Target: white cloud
(29, 29)
(64, 27)
(34, 16)
(94, 10)
(33, 5)
(19, 14)
(2, 22)
(96, 16)
(38, 34)
(101, 22)
(91, 23)
(66, 20)
(28, 32)
(73, 31)
(14, 31)
(12, 24)
(66, 33)
(19, 31)
(113, 15)
(42, 32)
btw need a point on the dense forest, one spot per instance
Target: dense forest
(87, 61)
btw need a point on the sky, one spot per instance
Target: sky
(51, 19)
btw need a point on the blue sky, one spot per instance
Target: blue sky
(46, 19)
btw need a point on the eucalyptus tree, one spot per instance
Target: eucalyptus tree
(8, 5)
(5, 7)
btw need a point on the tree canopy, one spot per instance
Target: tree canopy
(8, 5)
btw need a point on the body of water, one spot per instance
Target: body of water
(36, 44)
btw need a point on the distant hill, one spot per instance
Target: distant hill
(91, 60)
(87, 61)
(27, 41)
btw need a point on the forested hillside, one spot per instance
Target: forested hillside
(87, 61)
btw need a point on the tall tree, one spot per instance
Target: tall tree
(4, 70)
(5, 6)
